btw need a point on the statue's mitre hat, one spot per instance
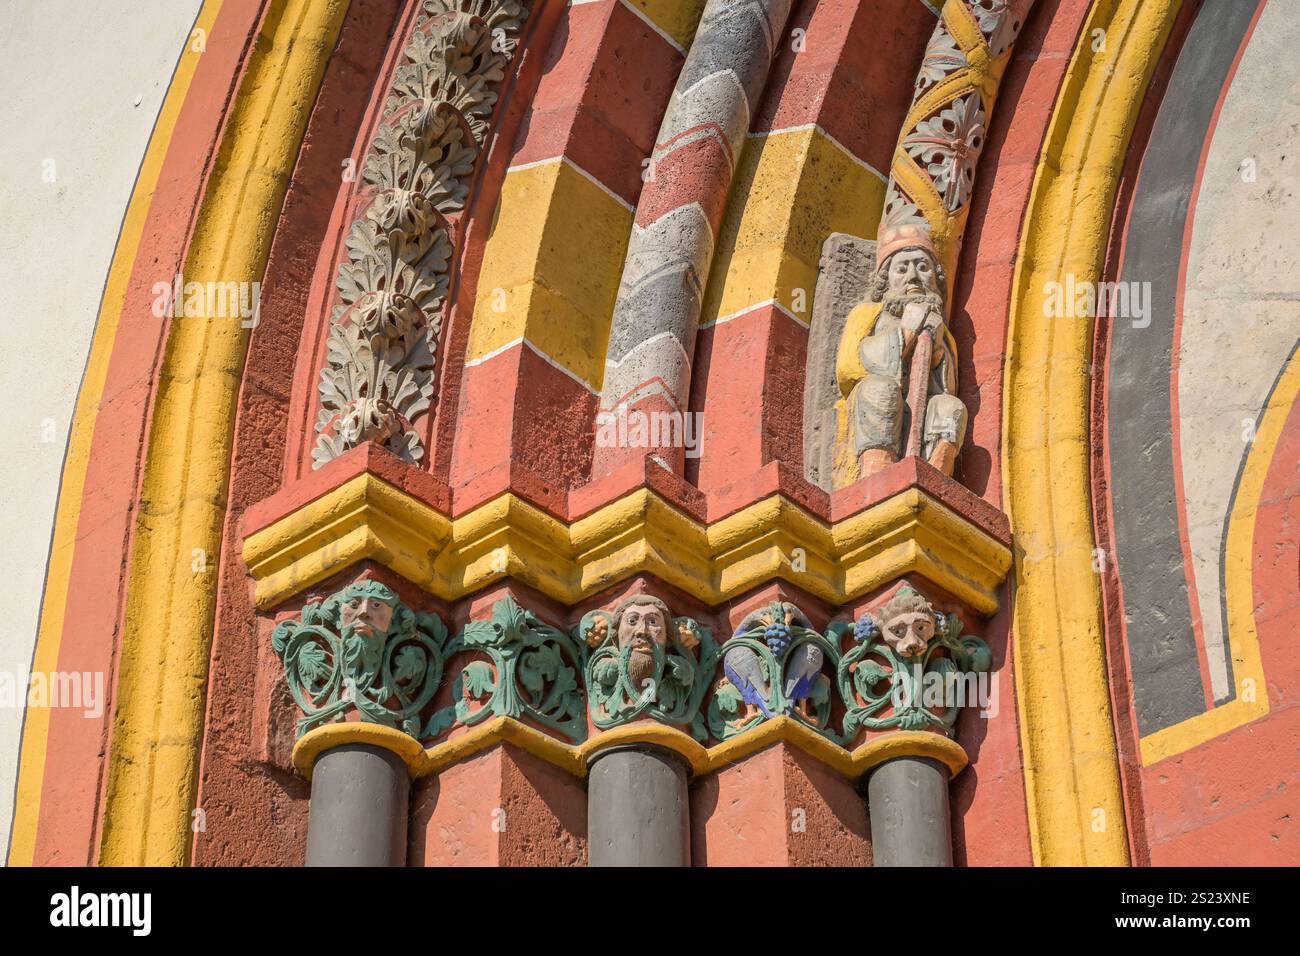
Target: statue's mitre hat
(908, 236)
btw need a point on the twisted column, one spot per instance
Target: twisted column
(656, 316)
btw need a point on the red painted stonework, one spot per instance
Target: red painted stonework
(778, 807)
(503, 807)
(72, 791)
(590, 84)
(748, 382)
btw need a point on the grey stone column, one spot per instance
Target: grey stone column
(359, 799)
(638, 809)
(907, 800)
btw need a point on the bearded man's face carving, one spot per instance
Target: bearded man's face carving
(911, 272)
(911, 276)
(641, 627)
(367, 616)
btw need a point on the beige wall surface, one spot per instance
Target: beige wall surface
(1241, 306)
(83, 84)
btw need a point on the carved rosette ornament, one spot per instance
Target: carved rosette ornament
(646, 663)
(933, 171)
(911, 668)
(773, 666)
(378, 379)
(362, 651)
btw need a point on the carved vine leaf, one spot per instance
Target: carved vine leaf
(378, 378)
(531, 670)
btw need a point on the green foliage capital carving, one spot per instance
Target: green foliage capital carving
(362, 650)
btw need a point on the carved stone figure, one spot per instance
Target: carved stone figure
(897, 362)
(907, 623)
(645, 662)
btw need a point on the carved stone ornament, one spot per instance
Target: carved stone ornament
(646, 663)
(378, 379)
(897, 364)
(911, 668)
(364, 651)
(363, 654)
(772, 666)
(526, 668)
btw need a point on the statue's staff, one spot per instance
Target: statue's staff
(917, 391)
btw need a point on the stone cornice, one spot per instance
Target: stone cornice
(367, 517)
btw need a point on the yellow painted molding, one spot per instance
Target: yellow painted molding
(678, 19)
(792, 188)
(574, 759)
(72, 484)
(365, 517)
(163, 664)
(697, 757)
(370, 519)
(551, 269)
(1072, 779)
(320, 739)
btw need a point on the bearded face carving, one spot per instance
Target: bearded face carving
(641, 624)
(897, 365)
(366, 614)
(646, 663)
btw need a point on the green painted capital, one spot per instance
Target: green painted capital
(911, 668)
(362, 650)
(644, 662)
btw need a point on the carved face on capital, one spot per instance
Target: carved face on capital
(907, 623)
(366, 615)
(909, 633)
(642, 625)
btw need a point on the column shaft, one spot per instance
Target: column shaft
(638, 810)
(907, 800)
(359, 799)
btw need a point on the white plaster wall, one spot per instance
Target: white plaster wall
(82, 85)
(1241, 307)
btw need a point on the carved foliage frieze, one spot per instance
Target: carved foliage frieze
(378, 378)
(362, 654)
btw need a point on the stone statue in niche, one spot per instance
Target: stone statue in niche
(897, 361)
